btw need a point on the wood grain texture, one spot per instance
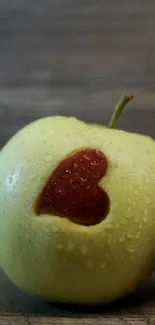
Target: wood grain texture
(76, 57)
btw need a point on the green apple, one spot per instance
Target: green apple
(52, 257)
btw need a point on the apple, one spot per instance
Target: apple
(77, 209)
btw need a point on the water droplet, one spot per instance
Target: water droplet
(130, 235)
(89, 265)
(130, 249)
(148, 200)
(94, 163)
(70, 246)
(129, 210)
(103, 265)
(121, 238)
(137, 219)
(68, 172)
(123, 221)
(145, 216)
(83, 179)
(84, 250)
(10, 179)
(47, 157)
(140, 185)
(60, 246)
(137, 235)
(109, 226)
(55, 229)
(86, 157)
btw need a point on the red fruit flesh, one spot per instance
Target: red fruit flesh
(73, 191)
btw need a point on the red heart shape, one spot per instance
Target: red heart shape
(73, 192)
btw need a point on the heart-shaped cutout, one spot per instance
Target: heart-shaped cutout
(73, 191)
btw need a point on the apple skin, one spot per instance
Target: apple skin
(55, 259)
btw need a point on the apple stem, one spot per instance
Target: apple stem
(119, 109)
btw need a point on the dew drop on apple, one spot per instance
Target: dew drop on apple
(148, 200)
(10, 179)
(48, 157)
(70, 246)
(46, 229)
(129, 211)
(121, 238)
(123, 221)
(60, 246)
(128, 199)
(89, 264)
(137, 235)
(136, 220)
(129, 235)
(145, 216)
(134, 204)
(109, 226)
(130, 249)
(54, 229)
(27, 237)
(103, 235)
(103, 265)
(84, 250)
(140, 185)
(135, 193)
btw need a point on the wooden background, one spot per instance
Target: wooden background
(76, 57)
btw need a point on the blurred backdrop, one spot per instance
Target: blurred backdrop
(76, 57)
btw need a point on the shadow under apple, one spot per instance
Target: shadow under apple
(14, 302)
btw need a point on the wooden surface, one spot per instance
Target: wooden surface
(18, 309)
(76, 57)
